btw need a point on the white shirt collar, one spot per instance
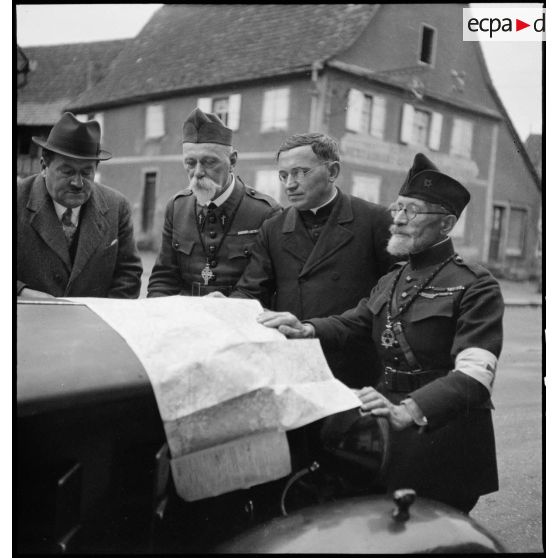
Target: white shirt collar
(60, 210)
(314, 210)
(220, 200)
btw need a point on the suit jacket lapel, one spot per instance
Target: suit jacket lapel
(295, 238)
(334, 235)
(92, 229)
(45, 221)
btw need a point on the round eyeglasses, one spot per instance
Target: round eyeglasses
(411, 211)
(298, 173)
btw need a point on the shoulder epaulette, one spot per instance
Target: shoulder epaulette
(474, 268)
(261, 196)
(185, 192)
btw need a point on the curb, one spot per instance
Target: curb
(533, 303)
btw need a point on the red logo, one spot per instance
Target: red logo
(519, 25)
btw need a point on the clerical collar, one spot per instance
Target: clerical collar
(434, 254)
(60, 210)
(221, 199)
(315, 210)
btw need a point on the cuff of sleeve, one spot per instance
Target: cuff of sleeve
(414, 410)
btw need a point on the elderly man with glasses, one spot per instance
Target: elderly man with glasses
(322, 254)
(437, 323)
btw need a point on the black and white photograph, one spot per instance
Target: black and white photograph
(280, 278)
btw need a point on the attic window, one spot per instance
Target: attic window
(427, 44)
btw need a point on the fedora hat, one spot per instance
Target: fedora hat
(72, 138)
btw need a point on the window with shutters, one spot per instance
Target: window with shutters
(461, 138)
(227, 108)
(267, 182)
(154, 122)
(366, 113)
(427, 47)
(421, 127)
(275, 110)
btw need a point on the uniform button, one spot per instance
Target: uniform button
(253, 191)
(403, 294)
(396, 359)
(212, 248)
(58, 278)
(335, 276)
(175, 244)
(408, 278)
(458, 259)
(246, 252)
(400, 308)
(213, 263)
(396, 343)
(212, 234)
(212, 218)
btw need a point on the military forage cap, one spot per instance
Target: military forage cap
(425, 182)
(201, 127)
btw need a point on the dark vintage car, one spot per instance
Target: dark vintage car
(93, 471)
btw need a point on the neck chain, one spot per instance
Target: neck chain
(388, 335)
(207, 273)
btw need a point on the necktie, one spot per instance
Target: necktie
(68, 226)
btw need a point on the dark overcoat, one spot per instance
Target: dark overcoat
(288, 272)
(453, 458)
(106, 261)
(187, 245)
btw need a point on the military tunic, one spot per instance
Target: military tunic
(218, 241)
(454, 330)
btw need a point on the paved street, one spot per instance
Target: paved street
(514, 513)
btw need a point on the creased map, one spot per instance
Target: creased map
(227, 387)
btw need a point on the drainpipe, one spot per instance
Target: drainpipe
(318, 94)
(490, 194)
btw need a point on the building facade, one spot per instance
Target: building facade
(387, 81)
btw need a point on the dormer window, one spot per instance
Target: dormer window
(427, 44)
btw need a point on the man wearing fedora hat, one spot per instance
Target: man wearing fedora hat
(210, 227)
(437, 324)
(74, 236)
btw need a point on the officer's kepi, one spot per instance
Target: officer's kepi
(425, 182)
(202, 127)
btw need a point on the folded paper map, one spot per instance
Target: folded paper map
(227, 387)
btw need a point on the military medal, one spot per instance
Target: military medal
(207, 274)
(387, 338)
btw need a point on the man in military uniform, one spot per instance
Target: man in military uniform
(210, 227)
(437, 323)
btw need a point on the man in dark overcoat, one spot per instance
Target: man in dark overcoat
(322, 254)
(210, 227)
(74, 236)
(437, 323)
